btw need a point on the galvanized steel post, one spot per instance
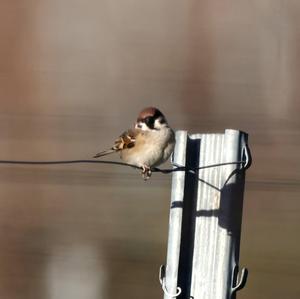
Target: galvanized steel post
(205, 217)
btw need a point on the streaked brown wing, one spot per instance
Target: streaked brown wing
(126, 140)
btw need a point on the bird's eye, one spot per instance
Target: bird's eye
(149, 121)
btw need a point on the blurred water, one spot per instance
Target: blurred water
(73, 77)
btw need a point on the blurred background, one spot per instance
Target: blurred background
(74, 75)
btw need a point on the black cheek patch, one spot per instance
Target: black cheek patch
(162, 120)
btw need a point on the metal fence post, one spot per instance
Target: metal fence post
(205, 217)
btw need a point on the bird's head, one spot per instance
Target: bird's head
(151, 118)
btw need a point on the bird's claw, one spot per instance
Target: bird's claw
(146, 172)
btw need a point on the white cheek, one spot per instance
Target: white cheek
(158, 125)
(144, 127)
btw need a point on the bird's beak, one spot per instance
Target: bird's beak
(138, 125)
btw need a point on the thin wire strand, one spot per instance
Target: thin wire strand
(83, 161)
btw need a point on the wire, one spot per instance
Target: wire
(83, 161)
(64, 162)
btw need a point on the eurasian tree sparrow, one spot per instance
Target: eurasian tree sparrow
(148, 145)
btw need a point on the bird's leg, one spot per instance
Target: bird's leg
(146, 172)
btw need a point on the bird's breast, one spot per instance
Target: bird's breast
(151, 148)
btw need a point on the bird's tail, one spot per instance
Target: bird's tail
(104, 153)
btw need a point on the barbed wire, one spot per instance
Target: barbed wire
(176, 167)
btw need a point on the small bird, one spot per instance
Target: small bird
(148, 144)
